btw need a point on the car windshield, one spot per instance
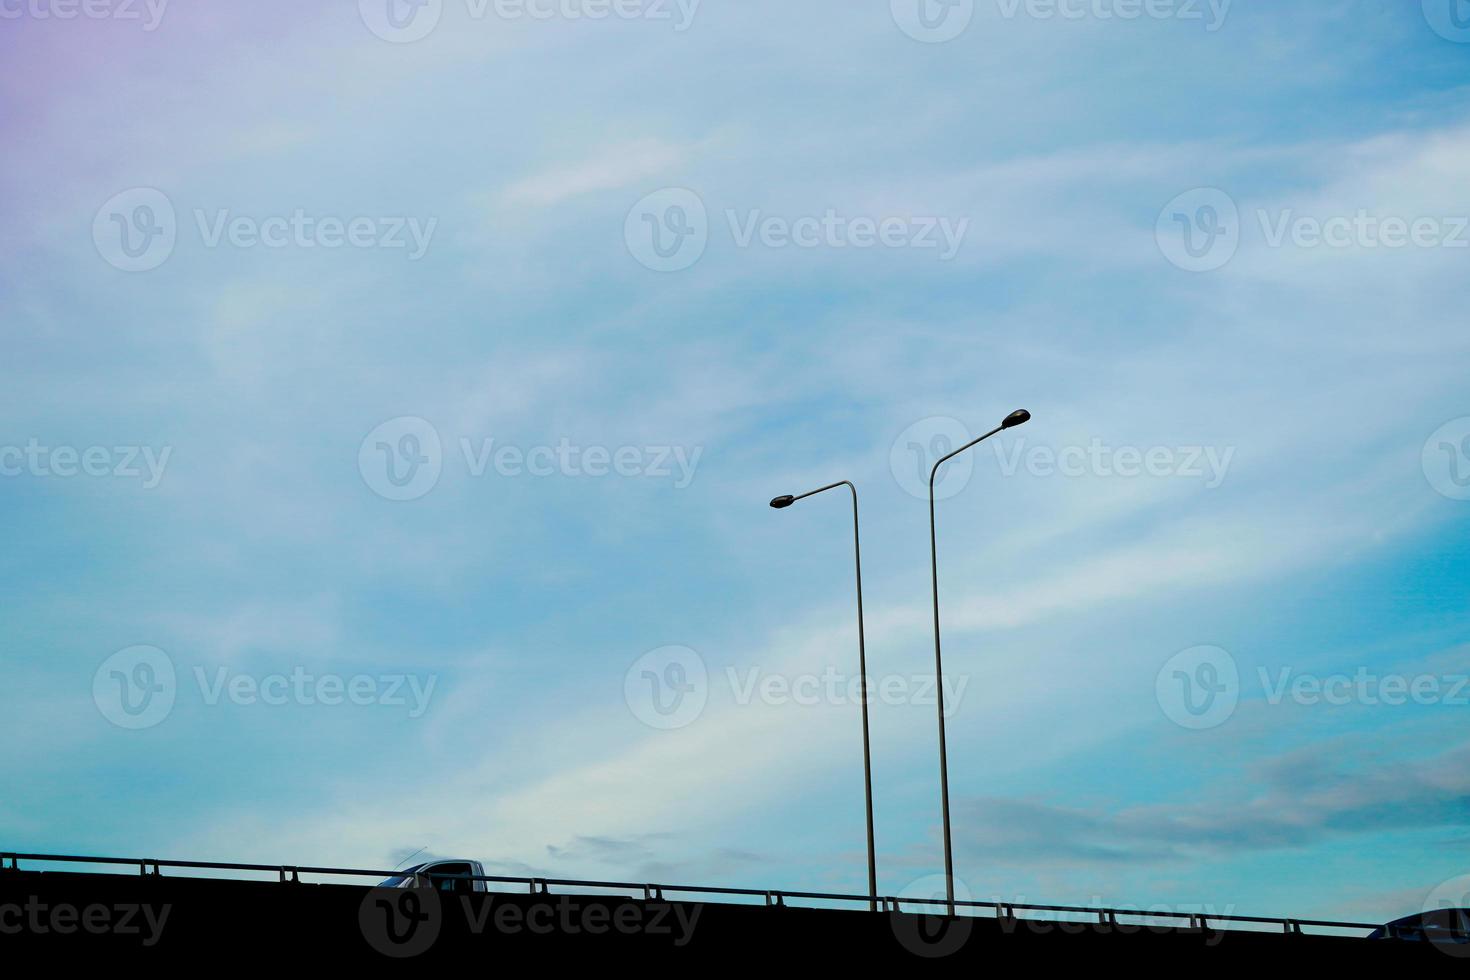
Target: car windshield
(402, 878)
(448, 868)
(436, 871)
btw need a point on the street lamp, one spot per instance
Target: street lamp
(780, 503)
(1012, 420)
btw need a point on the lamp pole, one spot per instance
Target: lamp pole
(786, 501)
(1011, 421)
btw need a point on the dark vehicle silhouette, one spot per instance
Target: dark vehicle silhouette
(1444, 926)
(448, 875)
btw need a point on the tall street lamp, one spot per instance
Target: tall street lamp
(786, 501)
(1011, 421)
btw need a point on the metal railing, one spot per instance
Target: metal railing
(1005, 912)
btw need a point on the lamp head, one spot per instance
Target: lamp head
(785, 500)
(1018, 417)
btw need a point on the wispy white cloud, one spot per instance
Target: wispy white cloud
(613, 167)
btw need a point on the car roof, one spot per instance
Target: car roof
(427, 865)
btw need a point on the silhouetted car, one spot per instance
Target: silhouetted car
(1448, 926)
(449, 875)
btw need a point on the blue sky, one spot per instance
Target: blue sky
(873, 241)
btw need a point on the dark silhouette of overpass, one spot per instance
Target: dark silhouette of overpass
(209, 912)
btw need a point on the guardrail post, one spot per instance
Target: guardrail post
(539, 887)
(1292, 927)
(774, 900)
(14, 862)
(653, 893)
(295, 878)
